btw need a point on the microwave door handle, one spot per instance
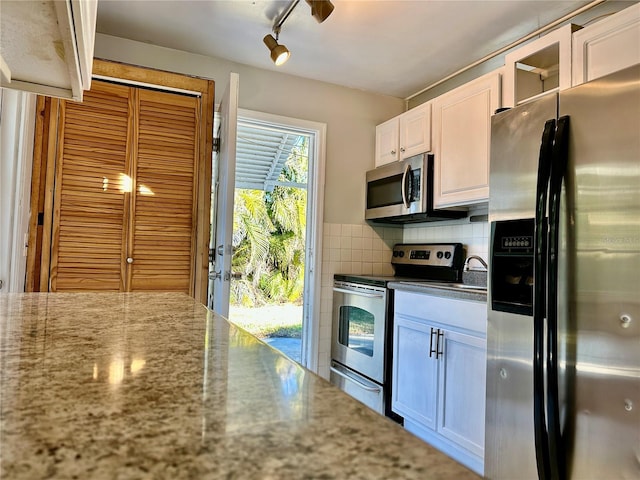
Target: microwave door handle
(405, 199)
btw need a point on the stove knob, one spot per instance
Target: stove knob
(395, 253)
(439, 254)
(447, 255)
(401, 253)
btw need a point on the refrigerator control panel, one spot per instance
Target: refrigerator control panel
(518, 242)
(512, 266)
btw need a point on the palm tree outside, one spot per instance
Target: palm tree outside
(269, 251)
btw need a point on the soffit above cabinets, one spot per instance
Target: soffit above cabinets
(46, 47)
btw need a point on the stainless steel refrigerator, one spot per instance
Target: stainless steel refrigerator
(563, 341)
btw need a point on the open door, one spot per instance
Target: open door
(224, 172)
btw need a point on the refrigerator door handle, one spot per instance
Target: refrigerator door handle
(558, 170)
(539, 300)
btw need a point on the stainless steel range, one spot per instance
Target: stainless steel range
(363, 315)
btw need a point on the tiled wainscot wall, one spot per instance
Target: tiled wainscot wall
(363, 249)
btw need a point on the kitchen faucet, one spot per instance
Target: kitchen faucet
(471, 257)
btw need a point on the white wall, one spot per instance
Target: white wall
(351, 115)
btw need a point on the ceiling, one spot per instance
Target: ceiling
(390, 47)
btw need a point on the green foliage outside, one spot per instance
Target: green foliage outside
(269, 239)
(360, 321)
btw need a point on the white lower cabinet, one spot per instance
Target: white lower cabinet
(439, 371)
(415, 374)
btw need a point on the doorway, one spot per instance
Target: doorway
(276, 231)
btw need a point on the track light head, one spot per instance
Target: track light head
(320, 9)
(279, 53)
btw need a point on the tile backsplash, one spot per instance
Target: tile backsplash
(474, 236)
(366, 250)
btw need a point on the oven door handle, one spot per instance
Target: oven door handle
(360, 384)
(355, 292)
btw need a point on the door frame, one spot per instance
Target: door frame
(315, 220)
(224, 168)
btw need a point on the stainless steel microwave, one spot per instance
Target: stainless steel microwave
(402, 192)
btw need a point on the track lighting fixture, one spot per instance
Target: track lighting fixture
(320, 10)
(279, 53)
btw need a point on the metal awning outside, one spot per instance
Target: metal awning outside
(261, 152)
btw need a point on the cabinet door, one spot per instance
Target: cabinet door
(462, 391)
(92, 191)
(462, 129)
(415, 131)
(607, 46)
(162, 232)
(415, 374)
(387, 142)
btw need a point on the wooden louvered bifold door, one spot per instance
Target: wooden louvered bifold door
(91, 196)
(163, 229)
(125, 191)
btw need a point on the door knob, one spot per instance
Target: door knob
(129, 260)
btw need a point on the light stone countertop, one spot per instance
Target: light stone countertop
(153, 385)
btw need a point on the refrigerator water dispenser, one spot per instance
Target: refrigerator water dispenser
(512, 260)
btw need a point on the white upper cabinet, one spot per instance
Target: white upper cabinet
(415, 131)
(47, 46)
(387, 135)
(540, 67)
(404, 136)
(461, 137)
(607, 46)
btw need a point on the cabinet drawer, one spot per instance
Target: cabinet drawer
(450, 312)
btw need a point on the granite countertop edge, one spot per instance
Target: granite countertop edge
(157, 386)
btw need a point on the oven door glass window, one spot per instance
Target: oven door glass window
(355, 329)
